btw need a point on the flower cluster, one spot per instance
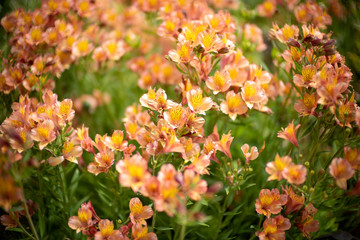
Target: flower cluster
(88, 222)
(46, 41)
(305, 13)
(272, 202)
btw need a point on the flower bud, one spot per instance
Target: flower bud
(292, 42)
(223, 50)
(316, 42)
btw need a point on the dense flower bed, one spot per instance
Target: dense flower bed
(178, 120)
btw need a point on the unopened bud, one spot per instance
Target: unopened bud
(292, 42)
(316, 42)
(301, 156)
(251, 169)
(308, 38)
(305, 188)
(311, 189)
(329, 52)
(223, 50)
(307, 164)
(229, 173)
(312, 172)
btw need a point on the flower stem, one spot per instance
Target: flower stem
(20, 225)
(182, 232)
(27, 214)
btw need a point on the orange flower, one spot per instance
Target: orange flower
(84, 219)
(274, 228)
(270, 202)
(138, 212)
(193, 185)
(82, 47)
(44, 133)
(267, 8)
(249, 156)
(107, 231)
(114, 49)
(200, 163)
(116, 141)
(295, 173)
(352, 155)
(342, 171)
(197, 102)
(234, 105)
(295, 202)
(307, 105)
(289, 133)
(306, 222)
(252, 93)
(224, 144)
(176, 116)
(65, 111)
(183, 54)
(276, 168)
(156, 101)
(140, 232)
(307, 75)
(103, 161)
(220, 82)
(71, 152)
(133, 171)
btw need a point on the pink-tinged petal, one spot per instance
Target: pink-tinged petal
(75, 223)
(53, 161)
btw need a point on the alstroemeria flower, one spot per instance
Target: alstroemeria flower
(352, 155)
(252, 93)
(295, 202)
(156, 101)
(138, 212)
(276, 168)
(295, 173)
(107, 231)
(274, 228)
(306, 222)
(307, 105)
(234, 105)
(307, 74)
(342, 171)
(197, 102)
(176, 116)
(220, 82)
(140, 232)
(84, 219)
(71, 151)
(270, 202)
(82, 47)
(194, 186)
(249, 156)
(114, 49)
(44, 133)
(116, 141)
(133, 171)
(267, 8)
(103, 161)
(289, 133)
(183, 54)
(224, 144)
(199, 164)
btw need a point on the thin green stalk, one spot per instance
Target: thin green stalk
(27, 214)
(20, 225)
(153, 221)
(182, 231)
(218, 225)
